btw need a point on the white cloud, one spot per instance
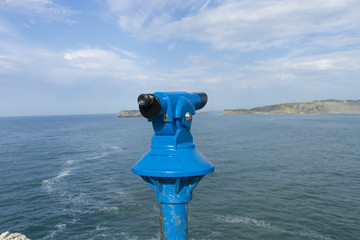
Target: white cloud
(123, 52)
(245, 25)
(326, 71)
(338, 41)
(79, 65)
(7, 29)
(337, 61)
(136, 15)
(36, 5)
(142, 13)
(171, 46)
(6, 64)
(95, 68)
(198, 72)
(101, 62)
(45, 9)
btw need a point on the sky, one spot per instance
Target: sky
(96, 56)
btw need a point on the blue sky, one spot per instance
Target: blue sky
(97, 56)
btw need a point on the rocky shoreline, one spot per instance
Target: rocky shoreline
(13, 236)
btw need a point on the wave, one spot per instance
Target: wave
(108, 209)
(102, 155)
(269, 226)
(98, 228)
(69, 162)
(62, 174)
(127, 236)
(79, 210)
(106, 153)
(59, 228)
(115, 148)
(48, 183)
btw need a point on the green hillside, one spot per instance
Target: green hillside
(302, 108)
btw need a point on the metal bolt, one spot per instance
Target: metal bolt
(187, 116)
(165, 117)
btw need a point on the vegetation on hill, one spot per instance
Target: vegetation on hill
(303, 108)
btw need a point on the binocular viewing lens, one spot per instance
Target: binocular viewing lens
(145, 100)
(149, 105)
(203, 98)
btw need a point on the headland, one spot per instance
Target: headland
(129, 113)
(316, 107)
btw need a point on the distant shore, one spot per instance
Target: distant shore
(315, 107)
(129, 113)
(136, 113)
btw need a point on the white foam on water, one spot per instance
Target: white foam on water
(69, 162)
(109, 209)
(59, 228)
(74, 212)
(102, 155)
(106, 153)
(122, 193)
(63, 173)
(215, 234)
(102, 235)
(48, 183)
(115, 148)
(313, 235)
(127, 236)
(263, 224)
(156, 237)
(245, 220)
(76, 199)
(156, 208)
(98, 228)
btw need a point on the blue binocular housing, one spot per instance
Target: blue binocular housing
(173, 152)
(158, 104)
(172, 167)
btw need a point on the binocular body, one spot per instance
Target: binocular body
(173, 152)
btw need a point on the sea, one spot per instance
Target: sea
(277, 177)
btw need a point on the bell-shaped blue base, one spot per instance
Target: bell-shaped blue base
(184, 161)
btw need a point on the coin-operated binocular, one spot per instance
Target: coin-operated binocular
(172, 167)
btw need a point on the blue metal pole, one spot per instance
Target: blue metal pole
(173, 221)
(173, 193)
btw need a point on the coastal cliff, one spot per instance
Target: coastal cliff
(302, 108)
(129, 113)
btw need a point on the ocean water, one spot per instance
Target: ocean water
(276, 177)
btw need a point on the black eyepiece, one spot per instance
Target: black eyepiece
(149, 105)
(145, 100)
(203, 98)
